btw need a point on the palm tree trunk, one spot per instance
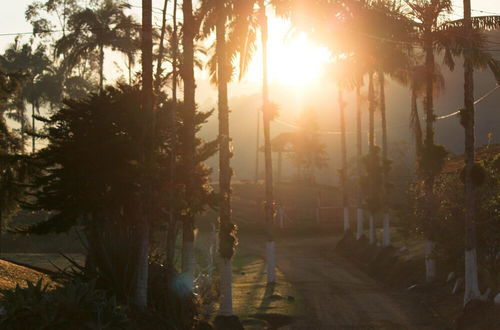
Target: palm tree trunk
(23, 130)
(471, 279)
(226, 231)
(371, 149)
(161, 48)
(33, 127)
(343, 171)
(430, 262)
(415, 121)
(189, 132)
(257, 151)
(269, 210)
(101, 67)
(172, 223)
(141, 289)
(359, 149)
(386, 241)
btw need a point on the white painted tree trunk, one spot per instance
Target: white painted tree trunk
(188, 264)
(471, 281)
(347, 224)
(271, 262)
(359, 216)
(430, 262)
(226, 293)
(372, 230)
(387, 230)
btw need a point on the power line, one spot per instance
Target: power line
(476, 102)
(295, 126)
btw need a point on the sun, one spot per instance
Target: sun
(296, 62)
(293, 60)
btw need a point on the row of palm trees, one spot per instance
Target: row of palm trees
(402, 40)
(380, 38)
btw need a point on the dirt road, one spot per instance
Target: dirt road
(337, 295)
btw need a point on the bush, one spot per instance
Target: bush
(76, 305)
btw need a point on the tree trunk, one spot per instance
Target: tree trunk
(371, 113)
(386, 240)
(372, 234)
(33, 127)
(371, 149)
(23, 131)
(141, 289)
(343, 171)
(417, 129)
(189, 131)
(386, 221)
(359, 149)
(101, 67)
(225, 172)
(266, 107)
(468, 120)
(161, 48)
(226, 294)
(172, 222)
(429, 143)
(257, 151)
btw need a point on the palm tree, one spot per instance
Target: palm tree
(38, 82)
(267, 117)
(468, 121)
(141, 289)
(437, 35)
(94, 30)
(172, 228)
(223, 13)
(471, 280)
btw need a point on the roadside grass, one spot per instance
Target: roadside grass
(257, 304)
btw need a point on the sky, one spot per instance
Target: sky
(283, 51)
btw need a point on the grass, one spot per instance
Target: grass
(257, 304)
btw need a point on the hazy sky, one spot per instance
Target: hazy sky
(282, 54)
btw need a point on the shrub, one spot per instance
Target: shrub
(76, 305)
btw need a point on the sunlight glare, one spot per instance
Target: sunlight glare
(292, 60)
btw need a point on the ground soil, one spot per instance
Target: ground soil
(336, 294)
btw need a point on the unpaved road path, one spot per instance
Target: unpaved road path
(335, 294)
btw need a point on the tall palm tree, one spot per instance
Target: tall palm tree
(141, 289)
(172, 228)
(468, 121)
(95, 30)
(267, 117)
(227, 228)
(471, 280)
